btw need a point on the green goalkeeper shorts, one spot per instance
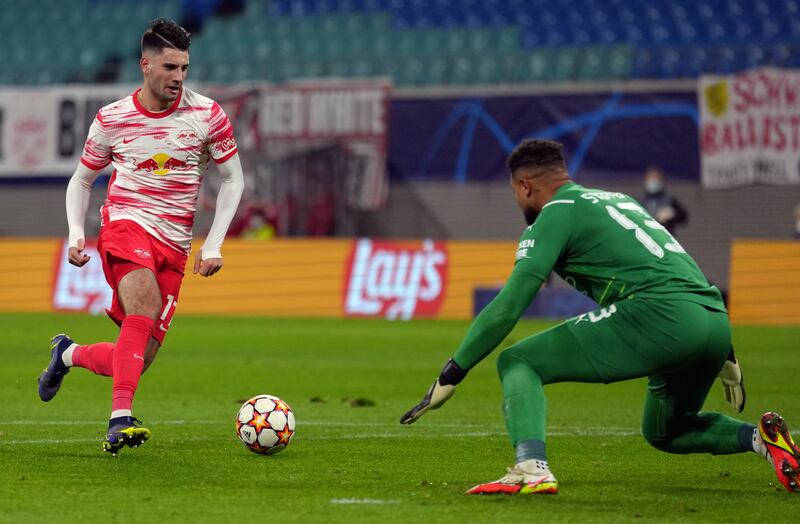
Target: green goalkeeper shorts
(641, 337)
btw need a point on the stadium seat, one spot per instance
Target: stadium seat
(536, 66)
(567, 63)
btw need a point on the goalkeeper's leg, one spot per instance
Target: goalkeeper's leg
(551, 356)
(672, 419)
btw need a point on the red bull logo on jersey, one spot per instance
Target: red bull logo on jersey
(162, 164)
(394, 281)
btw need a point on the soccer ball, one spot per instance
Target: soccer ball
(265, 424)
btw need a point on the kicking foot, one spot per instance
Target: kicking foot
(53, 374)
(124, 431)
(517, 481)
(782, 452)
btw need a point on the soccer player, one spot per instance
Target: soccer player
(159, 141)
(658, 318)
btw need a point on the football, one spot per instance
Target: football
(265, 424)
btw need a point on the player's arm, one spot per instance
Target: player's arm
(546, 242)
(209, 258)
(95, 157)
(79, 191)
(490, 327)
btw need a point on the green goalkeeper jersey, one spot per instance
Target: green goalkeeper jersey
(606, 246)
(602, 243)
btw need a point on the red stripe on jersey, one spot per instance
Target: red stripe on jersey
(93, 167)
(227, 156)
(186, 220)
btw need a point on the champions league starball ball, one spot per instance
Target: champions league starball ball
(265, 424)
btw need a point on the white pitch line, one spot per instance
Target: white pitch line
(365, 501)
(300, 422)
(598, 432)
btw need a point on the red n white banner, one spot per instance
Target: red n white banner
(750, 128)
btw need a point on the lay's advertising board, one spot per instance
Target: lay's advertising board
(284, 277)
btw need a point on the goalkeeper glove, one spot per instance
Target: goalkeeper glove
(441, 390)
(733, 383)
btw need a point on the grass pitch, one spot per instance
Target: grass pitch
(350, 460)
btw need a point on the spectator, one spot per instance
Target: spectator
(662, 206)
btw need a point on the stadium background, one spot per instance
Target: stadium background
(459, 83)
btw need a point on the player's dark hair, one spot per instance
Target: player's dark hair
(165, 33)
(545, 154)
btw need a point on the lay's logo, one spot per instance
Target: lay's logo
(394, 281)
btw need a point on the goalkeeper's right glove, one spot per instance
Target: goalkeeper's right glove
(439, 393)
(733, 383)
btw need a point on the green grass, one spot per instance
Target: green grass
(195, 470)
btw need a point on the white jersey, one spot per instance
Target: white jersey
(158, 160)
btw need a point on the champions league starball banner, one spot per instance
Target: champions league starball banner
(750, 128)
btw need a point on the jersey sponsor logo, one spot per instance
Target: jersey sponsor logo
(394, 281)
(162, 164)
(225, 145)
(189, 138)
(80, 289)
(595, 317)
(523, 247)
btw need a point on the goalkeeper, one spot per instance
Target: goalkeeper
(658, 318)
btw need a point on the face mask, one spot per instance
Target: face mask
(652, 186)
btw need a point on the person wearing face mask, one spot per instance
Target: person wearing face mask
(663, 206)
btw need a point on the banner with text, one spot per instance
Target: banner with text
(303, 127)
(750, 128)
(397, 279)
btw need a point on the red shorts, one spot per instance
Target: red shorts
(125, 246)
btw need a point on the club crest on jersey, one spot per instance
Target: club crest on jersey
(188, 138)
(162, 164)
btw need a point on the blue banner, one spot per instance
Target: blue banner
(605, 135)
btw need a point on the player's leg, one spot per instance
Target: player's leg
(156, 301)
(673, 421)
(141, 300)
(630, 339)
(551, 356)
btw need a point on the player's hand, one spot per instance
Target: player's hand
(439, 393)
(206, 267)
(76, 256)
(733, 383)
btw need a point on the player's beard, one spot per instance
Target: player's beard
(530, 215)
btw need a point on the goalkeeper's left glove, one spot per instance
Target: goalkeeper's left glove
(439, 393)
(733, 383)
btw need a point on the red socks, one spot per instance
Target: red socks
(94, 357)
(128, 359)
